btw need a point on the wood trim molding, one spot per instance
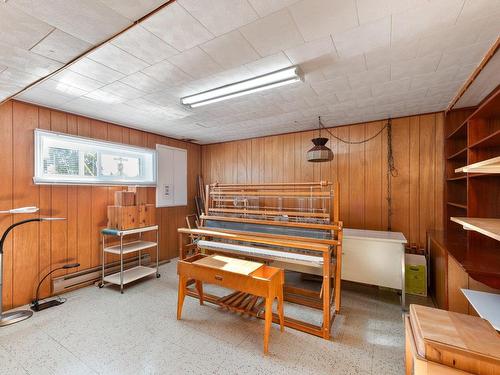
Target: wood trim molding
(487, 57)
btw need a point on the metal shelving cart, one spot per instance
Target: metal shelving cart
(135, 273)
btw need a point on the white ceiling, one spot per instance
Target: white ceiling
(362, 59)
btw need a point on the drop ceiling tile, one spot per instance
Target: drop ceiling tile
(319, 18)
(490, 28)
(435, 78)
(370, 76)
(222, 15)
(38, 95)
(364, 38)
(424, 18)
(144, 45)
(20, 29)
(358, 93)
(345, 66)
(104, 97)
(265, 7)
(88, 20)
(177, 27)
(91, 69)
(309, 51)
(167, 73)
(122, 90)
(272, 33)
(476, 9)
(71, 78)
(11, 76)
(369, 10)
(133, 9)
(340, 83)
(61, 47)
(143, 82)
(27, 61)
(391, 87)
(465, 55)
(398, 51)
(61, 88)
(117, 59)
(230, 50)
(420, 65)
(195, 62)
(269, 64)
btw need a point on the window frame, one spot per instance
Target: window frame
(143, 153)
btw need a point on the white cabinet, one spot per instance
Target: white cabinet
(171, 188)
(374, 257)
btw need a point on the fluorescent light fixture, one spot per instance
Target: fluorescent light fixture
(249, 86)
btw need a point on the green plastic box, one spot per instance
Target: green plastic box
(416, 274)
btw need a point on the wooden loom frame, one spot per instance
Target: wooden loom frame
(328, 248)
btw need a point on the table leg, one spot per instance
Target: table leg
(180, 296)
(199, 289)
(280, 309)
(268, 321)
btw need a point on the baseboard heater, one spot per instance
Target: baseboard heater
(91, 275)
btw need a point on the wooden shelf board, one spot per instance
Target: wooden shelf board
(458, 178)
(130, 247)
(458, 130)
(488, 226)
(486, 166)
(464, 206)
(457, 154)
(132, 274)
(492, 140)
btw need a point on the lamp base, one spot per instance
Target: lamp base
(46, 305)
(14, 317)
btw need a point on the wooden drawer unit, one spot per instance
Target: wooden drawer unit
(257, 285)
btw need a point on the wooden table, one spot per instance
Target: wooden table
(245, 276)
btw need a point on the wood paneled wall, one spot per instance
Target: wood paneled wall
(361, 169)
(33, 249)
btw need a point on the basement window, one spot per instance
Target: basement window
(64, 159)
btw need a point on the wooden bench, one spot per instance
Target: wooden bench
(251, 279)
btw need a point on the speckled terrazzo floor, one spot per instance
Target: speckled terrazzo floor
(100, 331)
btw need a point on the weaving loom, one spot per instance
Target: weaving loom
(294, 226)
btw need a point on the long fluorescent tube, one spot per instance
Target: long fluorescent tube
(264, 82)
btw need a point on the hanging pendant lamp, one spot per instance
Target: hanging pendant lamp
(320, 152)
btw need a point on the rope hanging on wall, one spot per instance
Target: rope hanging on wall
(391, 168)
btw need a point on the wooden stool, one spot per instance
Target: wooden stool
(245, 276)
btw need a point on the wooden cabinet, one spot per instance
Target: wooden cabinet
(457, 279)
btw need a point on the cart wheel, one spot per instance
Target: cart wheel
(121, 291)
(158, 275)
(100, 285)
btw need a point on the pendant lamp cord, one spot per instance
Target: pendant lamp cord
(391, 168)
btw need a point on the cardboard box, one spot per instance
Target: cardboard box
(416, 274)
(124, 198)
(129, 217)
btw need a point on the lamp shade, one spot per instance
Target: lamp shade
(319, 153)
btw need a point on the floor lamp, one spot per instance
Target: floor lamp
(18, 315)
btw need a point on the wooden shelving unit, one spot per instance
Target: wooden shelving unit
(472, 189)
